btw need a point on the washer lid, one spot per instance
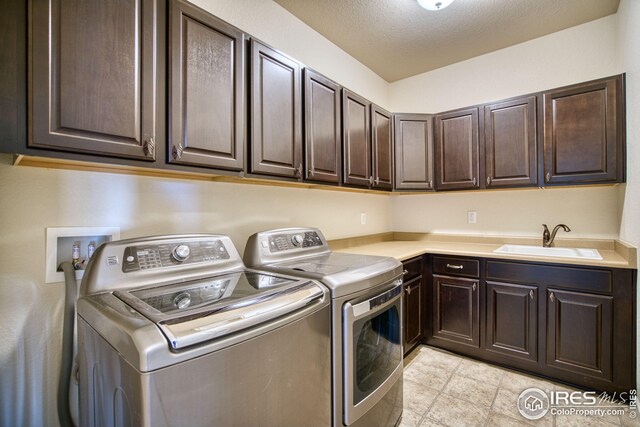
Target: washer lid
(192, 312)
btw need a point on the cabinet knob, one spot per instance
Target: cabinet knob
(404, 272)
(408, 290)
(370, 180)
(552, 297)
(298, 171)
(474, 180)
(149, 147)
(430, 183)
(377, 180)
(473, 287)
(488, 180)
(547, 177)
(531, 294)
(312, 172)
(177, 152)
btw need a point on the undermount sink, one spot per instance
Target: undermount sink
(549, 252)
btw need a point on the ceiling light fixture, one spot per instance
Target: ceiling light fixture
(434, 4)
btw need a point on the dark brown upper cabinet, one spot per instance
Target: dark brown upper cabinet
(382, 148)
(323, 141)
(206, 89)
(414, 151)
(13, 69)
(510, 143)
(276, 131)
(457, 150)
(356, 139)
(584, 132)
(95, 77)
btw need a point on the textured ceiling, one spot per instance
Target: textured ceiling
(398, 38)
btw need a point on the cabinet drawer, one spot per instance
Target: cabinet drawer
(412, 268)
(456, 266)
(587, 279)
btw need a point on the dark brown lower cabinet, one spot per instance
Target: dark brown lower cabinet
(512, 320)
(579, 332)
(412, 322)
(569, 323)
(456, 310)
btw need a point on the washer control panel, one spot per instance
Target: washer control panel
(145, 257)
(289, 241)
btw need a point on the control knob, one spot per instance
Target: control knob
(297, 239)
(181, 252)
(182, 300)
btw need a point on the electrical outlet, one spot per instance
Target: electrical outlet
(363, 218)
(471, 217)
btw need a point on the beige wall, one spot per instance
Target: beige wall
(577, 54)
(628, 39)
(589, 212)
(271, 23)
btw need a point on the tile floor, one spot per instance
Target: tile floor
(444, 389)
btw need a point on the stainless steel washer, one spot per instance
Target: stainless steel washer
(366, 319)
(174, 331)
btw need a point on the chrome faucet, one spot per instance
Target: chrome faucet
(547, 239)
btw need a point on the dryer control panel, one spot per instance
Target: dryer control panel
(289, 241)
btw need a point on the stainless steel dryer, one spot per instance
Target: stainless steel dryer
(174, 331)
(366, 319)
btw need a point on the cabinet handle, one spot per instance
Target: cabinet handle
(298, 171)
(531, 294)
(455, 267)
(177, 152)
(474, 287)
(552, 297)
(149, 147)
(408, 290)
(377, 180)
(474, 180)
(404, 272)
(370, 180)
(548, 177)
(312, 172)
(488, 180)
(430, 183)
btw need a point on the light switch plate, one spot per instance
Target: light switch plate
(59, 241)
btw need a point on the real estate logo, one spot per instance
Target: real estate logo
(533, 403)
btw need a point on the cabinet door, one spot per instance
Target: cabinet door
(322, 128)
(414, 151)
(579, 332)
(382, 145)
(356, 140)
(512, 319)
(206, 93)
(457, 155)
(13, 69)
(510, 143)
(583, 133)
(412, 313)
(94, 77)
(276, 143)
(456, 310)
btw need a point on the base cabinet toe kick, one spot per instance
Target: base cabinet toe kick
(572, 324)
